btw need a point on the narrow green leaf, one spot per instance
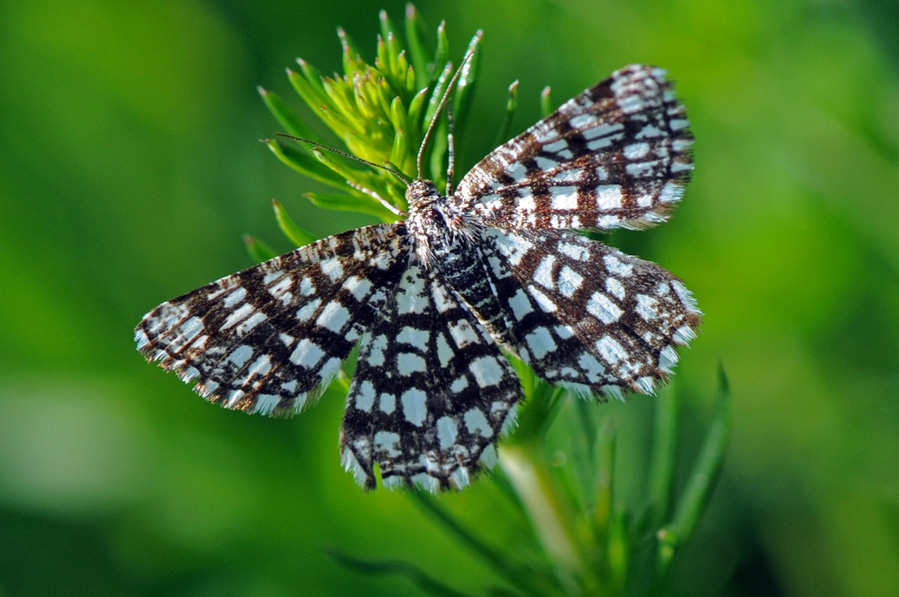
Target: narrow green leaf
(296, 234)
(546, 103)
(346, 202)
(437, 95)
(400, 153)
(403, 74)
(415, 28)
(313, 93)
(519, 576)
(305, 164)
(414, 115)
(666, 431)
(394, 49)
(351, 58)
(511, 107)
(382, 57)
(540, 408)
(435, 159)
(441, 55)
(699, 486)
(352, 177)
(352, 62)
(258, 250)
(465, 85)
(313, 75)
(341, 112)
(285, 116)
(417, 576)
(321, 101)
(388, 31)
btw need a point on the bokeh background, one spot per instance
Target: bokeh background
(130, 169)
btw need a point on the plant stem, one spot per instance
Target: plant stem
(529, 473)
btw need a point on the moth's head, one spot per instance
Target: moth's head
(420, 193)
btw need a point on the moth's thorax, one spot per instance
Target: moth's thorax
(434, 227)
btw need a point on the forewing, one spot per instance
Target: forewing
(267, 339)
(587, 316)
(431, 393)
(617, 155)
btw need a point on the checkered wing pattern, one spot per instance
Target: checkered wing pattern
(617, 155)
(431, 393)
(270, 338)
(586, 316)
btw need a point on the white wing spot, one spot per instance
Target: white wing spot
(459, 384)
(574, 251)
(615, 288)
(417, 338)
(609, 196)
(564, 198)
(647, 307)
(486, 370)
(365, 396)
(240, 355)
(520, 305)
(543, 275)
(582, 121)
(591, 367)
(332, 268)
(386, 441)
(540, 342)
(444, 352)
(477, 423)
(358, 287)
(610, 350)
(408, 363)
(463, 334)
(602, 130)
(447, 431)
(601, 307)
(414, 408)
(376, 356)
(617, 267)
(251, 322)
(333, 317)
(569, 281)
(235, 297)
(308, 310)
(636, 151)
(387, 403)
(306, 287)
(307, 354)
(546, 304)
(556, 146)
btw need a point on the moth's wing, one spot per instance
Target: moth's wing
(431, 394)
(616, 156)
(270, 338)
(587, 316)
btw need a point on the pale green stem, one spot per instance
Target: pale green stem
(528, 472)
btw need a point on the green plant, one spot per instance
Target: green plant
(380, 112)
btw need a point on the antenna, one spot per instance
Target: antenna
(390, 168)
(471, 50)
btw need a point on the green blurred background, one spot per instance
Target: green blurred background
(130, 168)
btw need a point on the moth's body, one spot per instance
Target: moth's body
(431, 300)
(445, 241)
